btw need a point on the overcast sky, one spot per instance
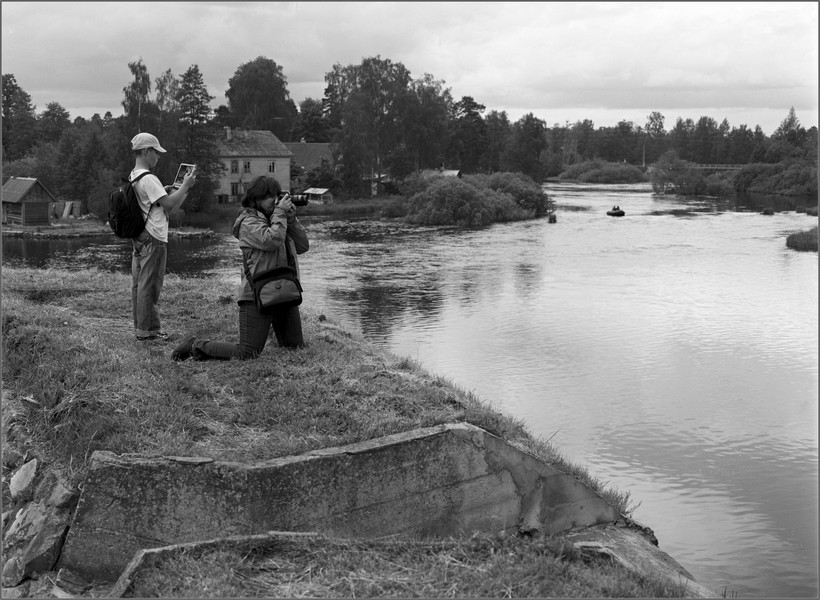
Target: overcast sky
(747, 62)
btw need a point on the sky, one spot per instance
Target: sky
(746, 62)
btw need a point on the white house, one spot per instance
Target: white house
(246, 154)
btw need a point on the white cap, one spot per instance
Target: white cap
(146, 140)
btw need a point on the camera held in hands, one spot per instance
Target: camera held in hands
(297, 199)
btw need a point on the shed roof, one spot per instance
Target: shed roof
(309, 154)
(319, 191)
(17, 188)
(252, 142)
(441, 173)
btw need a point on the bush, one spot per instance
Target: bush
(472, 201)
(718, 184)
(526, 193)
(451, 201)
(791, 178)
(599, 171)
(805, 241)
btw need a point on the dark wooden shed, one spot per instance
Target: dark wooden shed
(26, 201)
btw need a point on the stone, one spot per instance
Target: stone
(22, 481)
(61, 496)
(57, 592)
(13, 572)
(33, 542)
(19, 591)
(6, 516)
(26, 524)
(71, 581)
(12, 458)
(43, 550)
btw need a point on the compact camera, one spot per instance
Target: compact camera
(297, 199)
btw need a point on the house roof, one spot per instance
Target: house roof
(251, 142)
(309, 154)
(441, 173)
(318, 191)
(17, 188)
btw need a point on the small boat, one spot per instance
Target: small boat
(615, 213)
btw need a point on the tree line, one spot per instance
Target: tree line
(380, 120)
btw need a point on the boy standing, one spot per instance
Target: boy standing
(150, 248)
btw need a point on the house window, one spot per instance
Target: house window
(247, 167)
(235, 189)
(234, 166)
(271, 166)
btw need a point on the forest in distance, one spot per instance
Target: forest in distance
(378, 120)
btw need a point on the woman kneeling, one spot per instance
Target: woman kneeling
(269, 236)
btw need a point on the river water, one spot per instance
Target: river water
(673, 352)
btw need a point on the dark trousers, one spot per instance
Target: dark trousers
(254, 328)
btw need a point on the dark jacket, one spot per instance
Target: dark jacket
(262, 244)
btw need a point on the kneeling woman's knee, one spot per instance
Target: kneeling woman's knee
(249, 353)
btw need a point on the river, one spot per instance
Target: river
(673, 351)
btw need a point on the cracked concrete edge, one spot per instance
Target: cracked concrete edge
(101, 458)
(629, 547)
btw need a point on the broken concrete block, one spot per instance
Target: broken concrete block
(439, 481)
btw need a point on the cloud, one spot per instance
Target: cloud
(528, 56)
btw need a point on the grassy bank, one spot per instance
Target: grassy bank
(80, 383)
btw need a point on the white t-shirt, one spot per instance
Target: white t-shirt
(149, 189)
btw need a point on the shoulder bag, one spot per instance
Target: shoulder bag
(276, 288)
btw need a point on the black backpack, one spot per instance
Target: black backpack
(125, 215)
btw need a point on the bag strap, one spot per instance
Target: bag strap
(132, 182)
(291, 264)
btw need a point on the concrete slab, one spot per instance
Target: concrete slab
(447, 480)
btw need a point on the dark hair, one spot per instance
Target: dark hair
(259, 189)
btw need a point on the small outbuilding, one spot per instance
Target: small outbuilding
(441, 172)
(26, 202)
(319, 195)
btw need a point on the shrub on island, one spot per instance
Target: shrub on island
(471, 201)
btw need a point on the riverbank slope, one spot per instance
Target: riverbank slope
(76, 381)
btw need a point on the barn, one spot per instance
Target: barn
(26, 201)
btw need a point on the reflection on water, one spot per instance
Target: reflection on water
(672, 351)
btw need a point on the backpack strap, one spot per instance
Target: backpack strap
(135, 180)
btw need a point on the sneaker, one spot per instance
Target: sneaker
(184, 350)
(160, 336)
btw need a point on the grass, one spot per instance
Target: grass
(69, 350)
(805, 241)
(76, 381)
(480, 567)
